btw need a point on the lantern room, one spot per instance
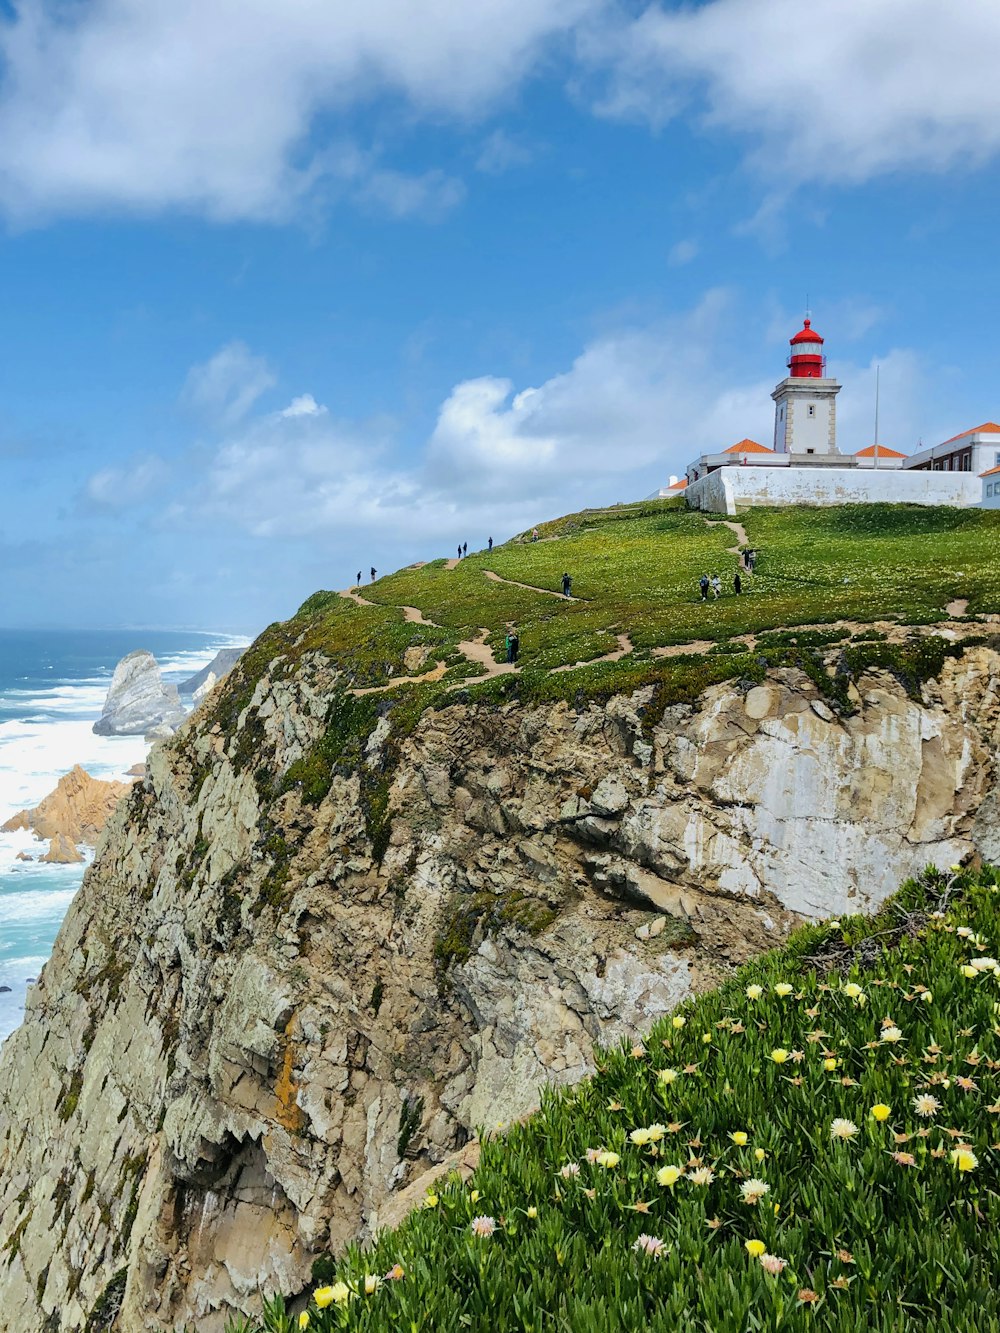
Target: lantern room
(807, 361)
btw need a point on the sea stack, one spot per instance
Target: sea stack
(138, 700)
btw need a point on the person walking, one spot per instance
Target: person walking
(459, 550)
(374, 572)
(751, 560)
(716, 586)
(737, 583)
(515, 646)
(491, 544)
(465, 548)
(567, 583)
(745, 558)
(703, 585)
(357, 581)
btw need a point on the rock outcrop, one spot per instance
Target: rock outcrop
(309, 960)
(62, 852)
(77, 810)
(138, 700)
(221, 664)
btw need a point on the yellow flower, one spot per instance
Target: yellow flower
(754, 992)
(891, 1034)
(608, 1160)
(341, 1293)
(679, 1020)
(783, 989)
(968, 971)
(323, 1296)
(881, 1112)
(830, 1064)
(666, 1076)
(759, 1154)
(372, 1284)
(640, 1137)
(779, 1055)
(706, 1037)
(304, 1319)
(927, 996)
(669, 1175)
(755, 1248)
(532, 1212)
(431, 1201)
(739, 1137)
(474, 1196)
(964, 1159)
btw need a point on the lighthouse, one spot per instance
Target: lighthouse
(805, 402)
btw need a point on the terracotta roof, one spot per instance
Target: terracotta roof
(678, 485)
(883, 452)
(987, 428)
(990, 472)
(747, 447)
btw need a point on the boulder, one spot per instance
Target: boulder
(138, 700)
(62, 852)
(23, 856)
(78, 809)
(223, 661)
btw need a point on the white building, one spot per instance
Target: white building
(991, 488)
(974, 450)
(805, 403)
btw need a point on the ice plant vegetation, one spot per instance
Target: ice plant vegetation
(745, 1192)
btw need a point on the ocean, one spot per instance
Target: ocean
(52, 688)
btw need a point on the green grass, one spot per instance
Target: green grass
(868, 1239)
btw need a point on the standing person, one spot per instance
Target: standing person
(752, 559)
(737, 583)
(716, 586)
(465, 548)
(374, 572)
(491, 544)
(459, 550)
(357, 581)
(534, 534)
(745, 558)
(567, 583)
(506, 645)
(703, 585)
(515, 646)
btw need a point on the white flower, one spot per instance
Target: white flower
(891, 1034)
(843, 1129)
(570, 1169)
(753, 1190)
(984, 964)
(483, 1226)
(704, 1175)
(651, 1245)
(772, 1264)
(926, 1105)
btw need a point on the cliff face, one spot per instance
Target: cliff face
(279, 997)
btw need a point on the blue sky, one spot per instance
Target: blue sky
(291, 290)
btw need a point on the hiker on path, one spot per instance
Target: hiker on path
(703, 585)
(491, 544)
(534, 534)
(716, 586)
(459, 550)
(737, 583)
(465, 548)
(357, 581)
(751, 560)
(515, 646)
(506, 646)
(567, 583)
(374, 572)
(745, 558)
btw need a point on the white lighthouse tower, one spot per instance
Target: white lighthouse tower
(805, 404)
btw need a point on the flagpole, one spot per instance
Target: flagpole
(877, 369)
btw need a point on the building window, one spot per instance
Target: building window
(812, 409)
(989, 489)
(810, 451)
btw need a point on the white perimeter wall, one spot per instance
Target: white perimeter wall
(730, 489)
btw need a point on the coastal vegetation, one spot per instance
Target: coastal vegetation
(813, 1145)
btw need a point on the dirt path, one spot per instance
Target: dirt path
(958, 607)
(738, 528)
(353, 596)
(478, 651)
(453, 563)
(546, 592)
(427, 678)
(415, 616)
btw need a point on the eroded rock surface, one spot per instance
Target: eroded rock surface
(77, 810)
(138, 700)
(264, 1019)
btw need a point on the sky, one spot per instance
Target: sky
(291, 290)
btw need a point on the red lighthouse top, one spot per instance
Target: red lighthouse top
(807, 360)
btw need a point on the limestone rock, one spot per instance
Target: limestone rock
(221, 664)
(24, 856)
(138, 700)
(77, 809)
(61, 852)
(259, 1031)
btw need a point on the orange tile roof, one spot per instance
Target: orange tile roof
(747, 447)
(988, 427)
(990, 472)
(883, 452)
(678, 485)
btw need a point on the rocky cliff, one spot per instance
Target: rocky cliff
(138, 701)
(326, 938)
(76, 811)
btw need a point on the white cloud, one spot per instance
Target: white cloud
(126, 486)
(208, 105)
(841, 94)
(682, 253)
(225, 388)
(500, 152)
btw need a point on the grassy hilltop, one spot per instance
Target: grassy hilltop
(811, 1146)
